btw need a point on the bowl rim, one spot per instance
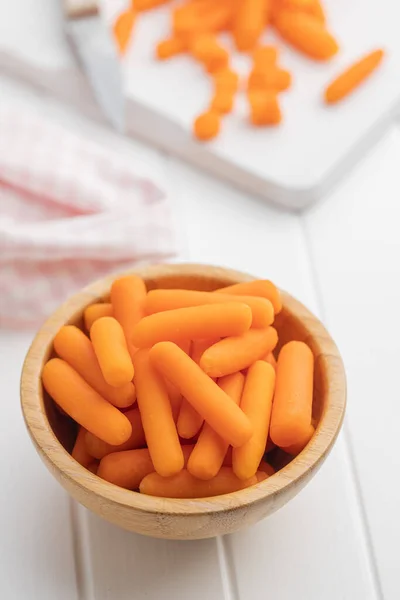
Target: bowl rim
(292, 474)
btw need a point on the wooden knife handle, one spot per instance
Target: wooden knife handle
(75, 9)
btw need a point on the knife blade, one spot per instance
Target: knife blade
(97, 56)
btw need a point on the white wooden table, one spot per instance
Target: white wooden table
(339, 539)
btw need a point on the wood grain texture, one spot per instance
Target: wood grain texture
(53, 434)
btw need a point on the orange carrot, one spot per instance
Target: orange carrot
(236, 353)
(98, 449)
(222, 102)
(256, 287)
(72, 345)
(250, 20)
(226, 79)
(270, 79)
(295, 449)
(256, 404)
(352, 77)
(212, 403)
(291, 412)
(208, 455)
(311, 7)
(158, 422)
(122, 29)
(197, 322)
(189, 422)
(110, 346)
(261, 476)
(264, 108)
(127, 469)
(95, 311)
(142, 5)
(206, 48)
(80, 452)
(174, 395)
(83, 404)
(306, 34)
(207, 125)
(165, 300)
(270, 358)
(265, 57)
(184, 485)
(201, 17)
(266, 468)
(170, 47)
(128, 295)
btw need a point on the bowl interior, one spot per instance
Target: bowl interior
(289, 324)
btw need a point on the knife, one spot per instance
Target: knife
(97, 56)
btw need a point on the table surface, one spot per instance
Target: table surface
(339, 538)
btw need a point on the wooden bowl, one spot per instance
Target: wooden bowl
(53, 434)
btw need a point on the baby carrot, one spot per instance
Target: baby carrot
(306, 34)
(264, 108)
(158, 422)
(265, 57)
(184, 485)
(256, 404)
(128, 295)
(270, 79)
(212, 403)
(226, 79)
(236, 353)
(98, 449)
(299, 446)
(72, 345)
(189, 421)
(196, 322)
(250, 20)
(122, 29)
(80, 452)
(174, 395)
(83, 404)
(352, 77)
(270, 358)
(257, 287)
(261, 476)
(291, 411)
(142, 5)
(170, 47)
(95, 311)
(311, 7)
(164, 300)
(210, 450)
(207, 125)
(110, 346)
(222, 101)
(128, 468)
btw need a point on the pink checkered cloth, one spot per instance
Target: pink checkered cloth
(70, 212)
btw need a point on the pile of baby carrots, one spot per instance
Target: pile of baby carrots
(194, 31)
(211, 400)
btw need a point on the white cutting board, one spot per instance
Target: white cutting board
(296, 162)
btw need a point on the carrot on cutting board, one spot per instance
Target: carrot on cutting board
(233, 354)
(292, 408)
(351, 78)
(95, 311)
(258, 287)
(306, 34)
(189, 421)
(164, 300)
(256, 404)
(111, 349)
(195, 322)
(83, 404)
(128, 295)
(250, 20)
(72, 345)
(212, 403)
(157, 419)
(98, 449)
(80, 452)
(207, 125)
(264, 108)
(128, 468)
(184, 485)
(210, 450)
(122, 29)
